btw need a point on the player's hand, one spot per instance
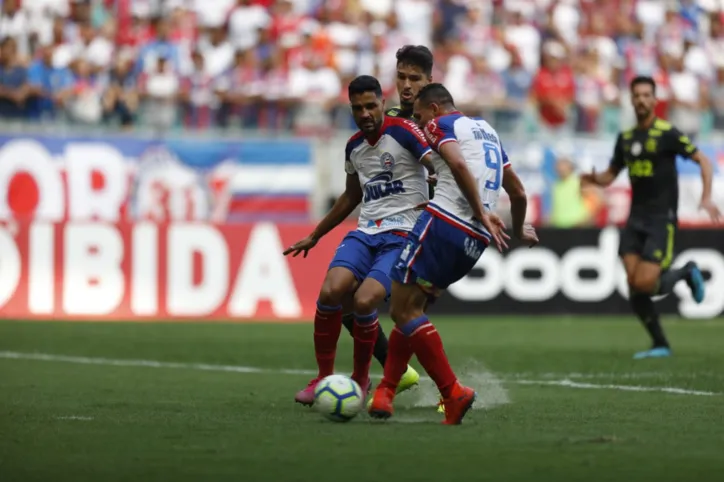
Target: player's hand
(711, 209)
(587, 179)
(302, 246)
(432, 179)
(496, 228)
(528, 235)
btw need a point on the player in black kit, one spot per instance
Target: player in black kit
(649, 151)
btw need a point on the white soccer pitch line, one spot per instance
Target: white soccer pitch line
(511, 378)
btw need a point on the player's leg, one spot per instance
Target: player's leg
(633, 239)
(366, 327)
(435, 257)
(380, 349)
(408, 302)
(389, 250)
(641, 284)
(660, 247)
(352, 259)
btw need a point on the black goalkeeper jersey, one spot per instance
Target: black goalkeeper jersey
(650, 156)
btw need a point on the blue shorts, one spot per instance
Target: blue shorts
(370, 255)
(438, 253)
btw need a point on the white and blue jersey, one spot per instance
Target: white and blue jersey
(485, 158)
(393, 180)
(393, 183)
(447, 241)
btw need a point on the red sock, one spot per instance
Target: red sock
(327, 326)
(399, 353)
(365, 333)
(427, 345)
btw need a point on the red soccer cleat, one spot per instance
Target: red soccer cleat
(457, 405)
(381, 406)
(306, 396)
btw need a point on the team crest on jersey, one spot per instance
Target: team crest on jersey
(636, 148)
(387, 161)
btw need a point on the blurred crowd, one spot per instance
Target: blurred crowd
(284, 64)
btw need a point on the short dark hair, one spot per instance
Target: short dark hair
(362, 84)
(643, 80)
(435, 93)
(417, 56)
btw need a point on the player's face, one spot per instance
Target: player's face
(368, 111)
(643, 100)
(424, 113)
(410, 79)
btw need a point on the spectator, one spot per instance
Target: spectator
(553, 88)
(93, 48)
(160, 47)
(598, 39)
(217, 52)
(139, 32)
(572, 206)
(589, 93)
(200, 102)
(121, 98)
(245, 22)
(285, 23)
(239, 90)
(317, 87)
(688, 98)
(49, 85)
(517, 80)
(14, 23)
(483, 92)
(14, 88)
(717, 99)
(414, 18)
(524, 37)
(85, 104)
(276, 104)
(160, 90)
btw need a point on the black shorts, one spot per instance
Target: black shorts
(651, 238)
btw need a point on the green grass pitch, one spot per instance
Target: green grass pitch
(560, 400)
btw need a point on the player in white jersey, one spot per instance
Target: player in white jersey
(385, 173)
(445, 243)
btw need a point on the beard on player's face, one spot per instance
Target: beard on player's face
(410, 79)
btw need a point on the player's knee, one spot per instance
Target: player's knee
(332, 293)
(366, 301)
(643, 283)
(402, 314)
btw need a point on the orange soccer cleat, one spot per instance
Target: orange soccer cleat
(381, 406)
(457, 405)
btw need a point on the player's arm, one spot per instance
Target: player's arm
(606, 178)
(342, 208)
(685, 148)
(518, 199)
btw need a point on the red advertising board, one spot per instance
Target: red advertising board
(192, 271)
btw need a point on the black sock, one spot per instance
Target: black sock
(644, 308)
(348, 322)
(381, 347)
(668, 279)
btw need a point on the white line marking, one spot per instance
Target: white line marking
(74, 417)
(510, 378)
(627, 388)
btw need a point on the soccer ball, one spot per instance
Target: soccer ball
(338, 398)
